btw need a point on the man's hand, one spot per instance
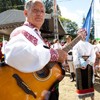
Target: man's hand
(82, 32)
(97, 54)
(83, 67)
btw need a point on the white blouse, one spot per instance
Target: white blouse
(83, 48)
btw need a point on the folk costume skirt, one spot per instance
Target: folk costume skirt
(84, 82)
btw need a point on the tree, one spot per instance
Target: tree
(2, 5)
(11, 4)
(49, 6)
(69, 26)
(92, 30)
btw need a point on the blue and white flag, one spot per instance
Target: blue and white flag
(87, 23)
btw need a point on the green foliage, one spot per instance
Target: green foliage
(49, 6)
(92, 30)
(69, 26)
(11, 4)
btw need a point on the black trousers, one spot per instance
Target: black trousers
(54, 95)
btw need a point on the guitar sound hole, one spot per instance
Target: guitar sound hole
(43, 73)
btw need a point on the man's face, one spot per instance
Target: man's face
(36, 14)
(68, 39)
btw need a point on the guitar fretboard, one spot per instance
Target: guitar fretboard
(70, 46)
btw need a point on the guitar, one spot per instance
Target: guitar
(15, 85)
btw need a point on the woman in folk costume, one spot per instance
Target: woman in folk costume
(94, 43)
(84, 58)
(56, 44)
(70, 58)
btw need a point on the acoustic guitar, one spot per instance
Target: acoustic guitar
(16, 85)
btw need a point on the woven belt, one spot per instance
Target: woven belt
(85, 57)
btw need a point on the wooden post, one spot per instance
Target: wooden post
(55, 15)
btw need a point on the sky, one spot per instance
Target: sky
(74, 9)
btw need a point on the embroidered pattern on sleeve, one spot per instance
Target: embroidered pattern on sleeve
(30, 37)
(54, 55)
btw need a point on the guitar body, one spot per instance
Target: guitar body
(40, 86)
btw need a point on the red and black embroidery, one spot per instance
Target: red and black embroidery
(54, 55)
(30, 37)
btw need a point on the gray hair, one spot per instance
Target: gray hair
(30, 3)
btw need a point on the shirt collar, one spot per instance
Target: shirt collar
(32, 26)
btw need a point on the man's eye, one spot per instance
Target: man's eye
(42, 11)
(37, 10)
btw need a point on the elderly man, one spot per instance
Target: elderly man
(27, 53)
(26, 50)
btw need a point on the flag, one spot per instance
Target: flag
(87, 22)
(97, 19)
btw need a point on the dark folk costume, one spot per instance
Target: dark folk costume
(84, 55)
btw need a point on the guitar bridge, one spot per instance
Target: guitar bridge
(23, 85)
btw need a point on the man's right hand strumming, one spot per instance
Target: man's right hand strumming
(82, 32)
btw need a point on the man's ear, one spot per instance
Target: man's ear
(25, 12)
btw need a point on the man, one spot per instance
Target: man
(26, 45)
(84, 58)
(26, 50)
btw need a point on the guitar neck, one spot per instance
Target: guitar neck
(70, 46)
